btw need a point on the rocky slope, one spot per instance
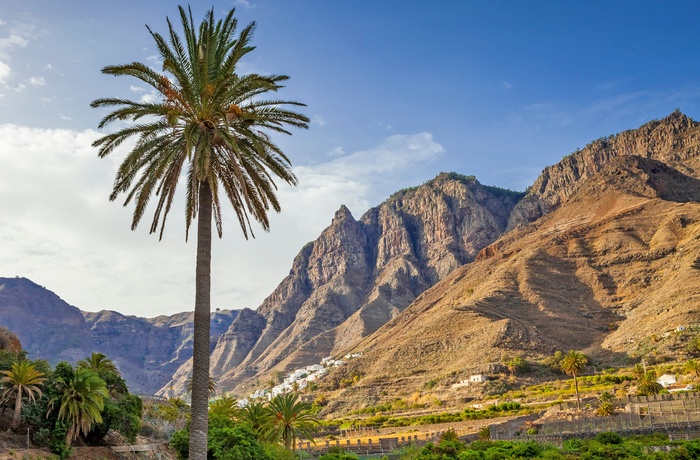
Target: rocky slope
(147, 351)
(359, 274)
(611, 269)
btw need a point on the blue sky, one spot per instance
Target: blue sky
(397, 92)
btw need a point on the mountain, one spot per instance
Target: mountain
(359, 274)
(611, 266)
(147, 351)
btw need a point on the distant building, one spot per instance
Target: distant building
(666, 380)
(478, 378)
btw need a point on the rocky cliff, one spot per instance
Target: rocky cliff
(674, 140)
(147, 351)
(359, 274)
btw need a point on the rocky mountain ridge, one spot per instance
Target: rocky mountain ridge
(359, 274)
(147, 351)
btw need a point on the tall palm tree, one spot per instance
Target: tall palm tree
(573, 363)
(212, 126)
(81, 402)
(21, 379)
(290, 419)
(99, 363)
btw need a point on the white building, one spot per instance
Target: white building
(666, 380)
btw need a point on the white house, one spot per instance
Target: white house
(666, 380)
(478, 378)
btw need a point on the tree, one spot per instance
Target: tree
(224, 407)
(21, 379)
(210, 125)
(573, 364)
(256, 416)
(98, 363)
(290, 419)
(81, 402)
(648, 385)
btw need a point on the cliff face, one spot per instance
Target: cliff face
(359, 274)
(674, 140)
(147, 351)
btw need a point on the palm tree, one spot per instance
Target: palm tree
(255, 414)
(225, 407)
(21, 379)
(648, 385)
(573, 363)
(290, 419)
(82, 401)
(98, 363)
(210, 125)
(211, 386)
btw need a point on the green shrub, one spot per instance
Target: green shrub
(609, 438)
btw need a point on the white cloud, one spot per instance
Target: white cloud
(37, 81)
(63, 117)
(506, 86)
(49, 67)
(59, 229)
(12, 41)
(336, 152)
(5, 73)
(136, 89)
(318, 120)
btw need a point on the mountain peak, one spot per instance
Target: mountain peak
(343, 213)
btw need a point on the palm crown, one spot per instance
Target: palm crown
(209, 122)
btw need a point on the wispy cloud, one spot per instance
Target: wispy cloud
(506, 85)
(243, 3)
(336, 152)
(318, 120)
(37, 81)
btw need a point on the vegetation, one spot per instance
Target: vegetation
(211, 126)
(290, 419)
(21, 379)
(573, 363)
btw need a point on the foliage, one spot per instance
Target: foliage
(337, 453)
(227, 440)
(21, 379)
(82, 402)
(648, 385)
(256, 416)
(573, 363)
(605, 409)
(290, 419)
(224, 407)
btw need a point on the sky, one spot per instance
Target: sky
(397, 91)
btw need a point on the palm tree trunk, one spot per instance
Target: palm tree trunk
(200, 353)
(578, 398)
(18, 409)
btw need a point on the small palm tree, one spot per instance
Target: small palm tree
(22, 379)
(210, 127)
(573, 363)
(212, 385)
(290, 419)
(98, 363)
(225, 407)
(256, 416)
(648, 385)
(81, 402)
